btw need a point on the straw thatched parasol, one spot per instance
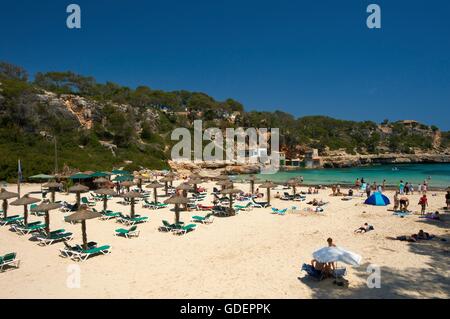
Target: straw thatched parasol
(268, 185)
(224, 184)
(166, 181)
(78, 189)
(171, 175)
(25, 201)
(127, 184)
(46, 207)
(5, 195)
(231, 192)
(293, 182)
(195, 182)
(252, 179)
(82, 215)
(53, 186)
(185, 187)
(105, 192)
(101, 180)
(155, 185)
(177, 201)
(132, 196)
(140, 178)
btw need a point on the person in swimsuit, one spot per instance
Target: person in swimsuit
(364, 229)
(423, 202)
(404, 203)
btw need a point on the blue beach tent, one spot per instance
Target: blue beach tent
(377, 199)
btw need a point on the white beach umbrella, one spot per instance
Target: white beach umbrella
(335, 254)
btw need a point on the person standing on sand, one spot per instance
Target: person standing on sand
(401, 187)
(357, 183)
(447, 199)
(384, 185)
(396, 201)
(368, 190)
(423, 202)
(407, 188)
(424, 189)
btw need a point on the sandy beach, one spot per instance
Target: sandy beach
(254, 254)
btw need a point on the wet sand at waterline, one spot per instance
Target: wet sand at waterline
(254, 254)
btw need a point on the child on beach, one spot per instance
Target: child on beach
(423, 202)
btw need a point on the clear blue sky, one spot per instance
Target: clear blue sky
(302, 57)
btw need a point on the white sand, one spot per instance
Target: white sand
(252, 255)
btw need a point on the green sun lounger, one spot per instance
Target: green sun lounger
(10, 220)
(9, 260)
(128, 233)
(184, 229)
(133, 221)
(25, 230)
(52, 238)
(85, 201)
(85, 254)
(203, 219)
(109, 214)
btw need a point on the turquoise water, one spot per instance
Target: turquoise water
(439, 175)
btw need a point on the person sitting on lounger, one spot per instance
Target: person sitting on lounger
(324, 268)
(350, 192)
(364, 229)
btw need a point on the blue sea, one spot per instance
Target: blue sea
(437, 175)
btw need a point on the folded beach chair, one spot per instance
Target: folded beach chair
(127, 233)
(9, 260)
(184, 229)
(53, 237)
(207, 219)
(85, 254)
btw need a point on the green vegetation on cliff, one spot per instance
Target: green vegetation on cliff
(101, 125)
